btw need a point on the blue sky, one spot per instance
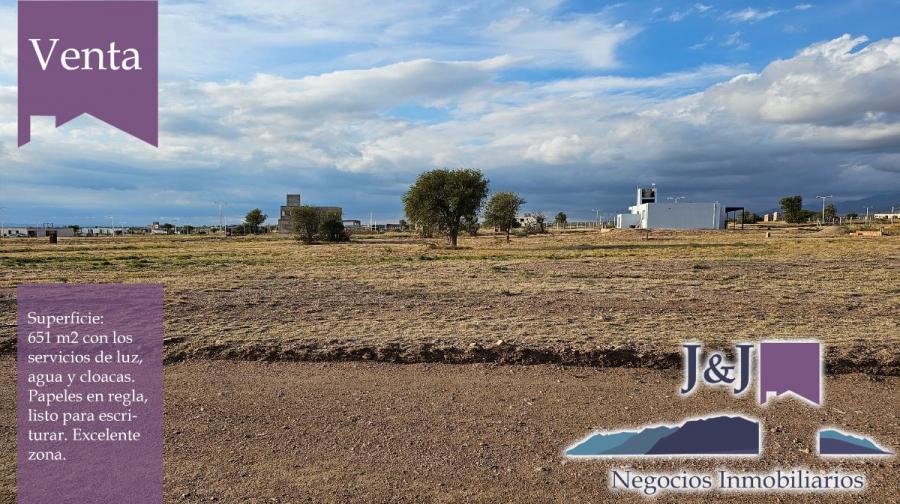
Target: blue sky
(571, 104)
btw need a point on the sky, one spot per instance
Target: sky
(570, 104)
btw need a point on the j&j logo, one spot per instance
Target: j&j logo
(783, 367)
(88, 57)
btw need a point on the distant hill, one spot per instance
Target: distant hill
(880, 203)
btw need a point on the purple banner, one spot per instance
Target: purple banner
(89, 57)
(90, 401)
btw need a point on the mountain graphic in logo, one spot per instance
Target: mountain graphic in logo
(834, 442)
(720, 436)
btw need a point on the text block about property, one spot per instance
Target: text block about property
(90, 401)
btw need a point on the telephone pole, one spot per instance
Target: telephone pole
(823, 198)
(222, 204)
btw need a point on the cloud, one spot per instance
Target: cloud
(734, 40)
(827, 84)
(583, 40)
(751, 15)
(697, 8)
(8, 45)
(829, 114)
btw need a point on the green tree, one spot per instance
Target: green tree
(305, 222)
(561, 219)
(830, 213)
(471, 225)
(540, 222)
(254, 219)
(501, 211)
(331, 227)
(792, 208)
(441, 199)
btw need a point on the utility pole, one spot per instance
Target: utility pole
(676, 198)
(823, 198)
(2, 230)
(222, 204)
(596, 216)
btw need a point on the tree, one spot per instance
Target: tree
(540, 222)
(471, 225)
(852, 215)
(501, 211)
(331, 227)
(792, 207)
(830, 213)
(305, 222)
(561, 219)
(441, 199)
(254, 219)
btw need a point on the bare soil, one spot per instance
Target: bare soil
(249, 432)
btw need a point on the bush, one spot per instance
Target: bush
(305, 222)
(331, 228)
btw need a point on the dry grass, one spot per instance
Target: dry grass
(579, 297)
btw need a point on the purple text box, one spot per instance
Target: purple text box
(53, 375)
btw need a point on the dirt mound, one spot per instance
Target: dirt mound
(832, 231)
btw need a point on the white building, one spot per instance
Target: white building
(648, 214)
(100, 231)
(13, 232)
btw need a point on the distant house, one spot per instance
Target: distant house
(648, 214)
(100, 231)
(293, 201)
(527, 220)
(771, 217)
(62, 232)
(13, 232)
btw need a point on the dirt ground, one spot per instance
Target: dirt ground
(242, 432)
(590, 298)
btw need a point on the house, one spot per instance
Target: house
(43, 231)
(293, 201)
(100, 231)
(648, 214)
(13, 232)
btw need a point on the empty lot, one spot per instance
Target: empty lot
(591, 298)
